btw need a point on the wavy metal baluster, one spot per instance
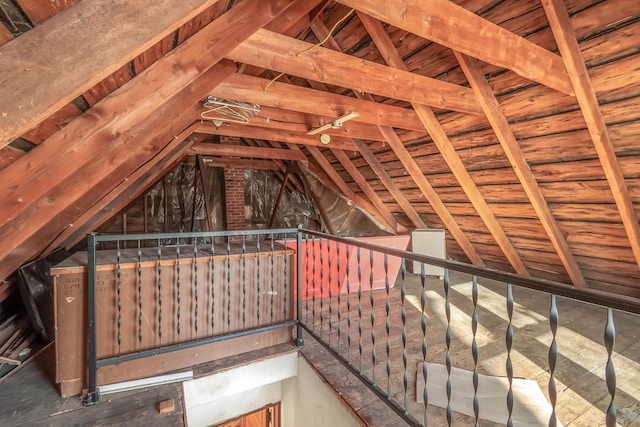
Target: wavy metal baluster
(447, 309)
(228, 283)
(387, 323)
(244, 283)
(373, 320)
(195, 286)
(359, 309)
(139, 295)
(403, 313)
(610, 371)
(313, 283)
(258, 279)
(509, 342)
(306, 280)
(178, 290)
(159, 292)
(553, 357)
(474, 348)
(272, 280)
(329, 279)
(322, 270)
(118, 290)
(423, 324)
(339, 313)
(213, 287)
(348, 284)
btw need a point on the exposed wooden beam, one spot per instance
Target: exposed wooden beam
(244, 88)
(324, 218)
(224, 162)
(366, 188)
(448, 152)
(413, 169)
(83, 39)
(448, 24)
(127, 190)
(570, 50)
(391, 186)
(345, 189)
(210, 149)
(243, 131)
(280, 53)
(115, 117)
(516, 157)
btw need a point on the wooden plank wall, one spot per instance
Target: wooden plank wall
(550, 130)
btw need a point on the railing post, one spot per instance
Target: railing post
(93, 394)
(299, 340)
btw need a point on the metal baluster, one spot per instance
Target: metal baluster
(348, 269)
(178, 289)
(313, 282)
(553, 357)
(403, 313)
(373, 319)
(139, 295)
(159, 292)
(322, 261)
(298, 285)
(228, 283)
(213, 287)
(423, 324)
(272, 280)
(359, 309)
(306, 279)
(118, 290)
(286, 277)
(195, 285)
(244, 284)
(258, 279)
(474, 347)
(339, 293)
(447, 308)
(509, 342)
(387, 323)
(610, 371)
(329, 279)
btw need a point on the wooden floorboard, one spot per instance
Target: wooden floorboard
(579, 375)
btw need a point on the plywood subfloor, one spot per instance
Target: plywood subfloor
(582, 392)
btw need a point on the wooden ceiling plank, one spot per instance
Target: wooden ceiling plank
(517, 160)
(413, 169)
(346, 190)
(256, 132)
(152, 89)
(448, 24)
(353, 171)
(570, 50)
(40, 11)
(209, 149)
(5, 34)
(244, 88)
(446, 149)
(280, 53)
(83, 37)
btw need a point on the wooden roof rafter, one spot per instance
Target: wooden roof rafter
(448, 152)
(412, 167)
(560, 24)
(453, 26)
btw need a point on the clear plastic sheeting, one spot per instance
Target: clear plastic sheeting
(346, 218)
(261, 189)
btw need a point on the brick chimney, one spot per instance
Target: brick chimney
(234, 191)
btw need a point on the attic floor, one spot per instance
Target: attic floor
(31, 398)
